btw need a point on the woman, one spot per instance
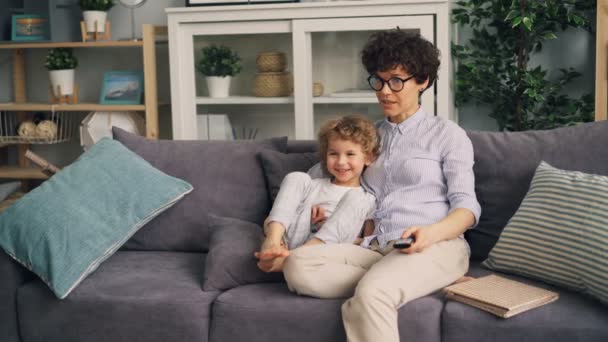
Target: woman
(424, 185)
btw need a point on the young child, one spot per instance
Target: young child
(346, 146)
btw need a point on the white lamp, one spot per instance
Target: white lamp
(97, 125)
(131, 5)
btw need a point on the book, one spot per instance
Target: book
(500, 296)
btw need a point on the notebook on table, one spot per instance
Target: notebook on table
(500, 296)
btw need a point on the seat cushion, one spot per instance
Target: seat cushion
(228, 181)
(505, 163)
(269, 312)
(572, 317)
(133, 296)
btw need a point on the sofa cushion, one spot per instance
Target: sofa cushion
(559, 234)
(13, 276)
(228, 181)
(133, 296)
(277, 165)
(66, 227)
(506, 162)
(230, 261)
(571, 318)
(269, 312)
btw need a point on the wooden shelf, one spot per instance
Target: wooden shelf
(78, 107)
(51, 45)
(235, 100)
(347, 100)
(601, 60)
(15, 172)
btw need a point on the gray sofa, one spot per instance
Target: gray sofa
(190, 276)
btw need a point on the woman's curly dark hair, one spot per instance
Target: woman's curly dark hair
(389, 49)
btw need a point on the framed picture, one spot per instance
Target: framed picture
(122, 87)
(232, 2)
(29, 27)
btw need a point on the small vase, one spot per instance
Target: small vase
(62, 81)
(218, 86)
(92, 17)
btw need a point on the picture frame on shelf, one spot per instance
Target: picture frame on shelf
(190, 3)
(29, 27)
(122, 87)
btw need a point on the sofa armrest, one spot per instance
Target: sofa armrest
(13, 276)
(230, 262)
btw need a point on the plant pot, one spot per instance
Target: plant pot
(63, 79)
(90, 17)
(218, 86)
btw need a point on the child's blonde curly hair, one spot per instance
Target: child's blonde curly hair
(353, 128)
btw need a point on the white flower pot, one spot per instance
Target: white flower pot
(64, 79)
(218, 86)
(90, 17)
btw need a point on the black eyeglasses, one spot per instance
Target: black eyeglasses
(394, 83)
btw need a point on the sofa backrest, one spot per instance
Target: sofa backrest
(228, 181)
(505, 164)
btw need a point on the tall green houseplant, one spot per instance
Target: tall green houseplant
(493, 66)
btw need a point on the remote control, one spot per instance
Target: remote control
(403, 243)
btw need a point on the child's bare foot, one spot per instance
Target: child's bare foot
(271, 256)
(272, 265)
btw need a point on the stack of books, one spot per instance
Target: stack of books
(500, 296)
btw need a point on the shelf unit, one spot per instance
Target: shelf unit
(21, 105)
(601, 61)
(321, 41)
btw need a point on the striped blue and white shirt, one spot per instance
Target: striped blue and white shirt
(424, 171)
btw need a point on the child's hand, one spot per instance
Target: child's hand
(317, 215)
(271, 256)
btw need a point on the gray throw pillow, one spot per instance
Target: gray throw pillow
(277, 165)
(559, 234)
(228, 181)
(505, 164)
(230, 262)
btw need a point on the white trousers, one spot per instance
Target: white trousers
(377, 282)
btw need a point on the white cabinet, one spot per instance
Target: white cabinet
(322, 42)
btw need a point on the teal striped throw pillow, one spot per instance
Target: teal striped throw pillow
(559, 234)
(65, 228)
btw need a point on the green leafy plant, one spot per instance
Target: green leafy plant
(493, 68)
(218, 61)
(61, 59)
(96, 5)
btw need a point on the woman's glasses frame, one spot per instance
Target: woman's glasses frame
(395, 83)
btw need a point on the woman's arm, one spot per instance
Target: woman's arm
(450, 227)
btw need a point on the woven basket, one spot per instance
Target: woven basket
(272, 84)
(272, 61)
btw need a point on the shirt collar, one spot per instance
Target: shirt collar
(408, 123)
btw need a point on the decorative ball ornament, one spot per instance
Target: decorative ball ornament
(27, 129)
(46, 129)
(98, 125)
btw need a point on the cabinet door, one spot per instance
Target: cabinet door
(327, 52)
(196, 115)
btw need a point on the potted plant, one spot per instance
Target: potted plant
(494, 67)
(61, 64)
(218, 64)
(95, 13)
